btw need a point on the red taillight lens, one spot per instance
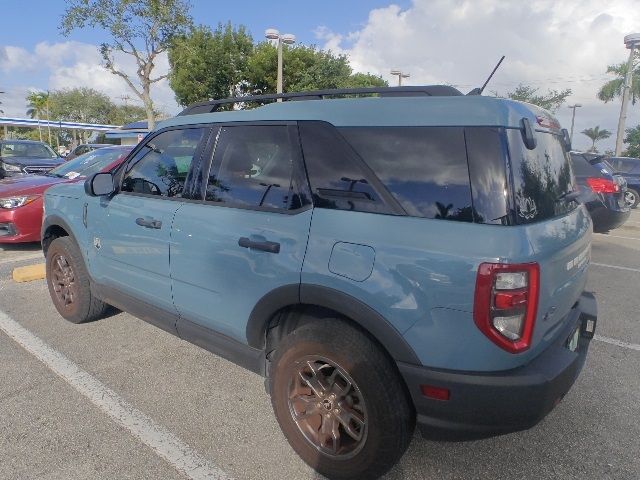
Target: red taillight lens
(506, 303)
(602, 185)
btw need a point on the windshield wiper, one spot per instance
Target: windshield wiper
(54, 175)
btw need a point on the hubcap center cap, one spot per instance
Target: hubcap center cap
(327, 404)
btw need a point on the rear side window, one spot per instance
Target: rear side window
(540, 177)
(339, 178)
(256, 167)
(424, 168)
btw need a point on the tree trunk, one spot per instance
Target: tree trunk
(148, 106)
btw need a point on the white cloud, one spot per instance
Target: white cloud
(75, 64)
(548, 44)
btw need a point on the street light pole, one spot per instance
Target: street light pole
(631, 42)
(573, 118)
(273, 34)
(400, 75)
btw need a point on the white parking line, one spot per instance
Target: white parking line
(165, 444)
(616, 236)
(619, 343)
(19, 258)
(617, 267)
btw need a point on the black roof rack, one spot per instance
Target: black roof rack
(409, 91)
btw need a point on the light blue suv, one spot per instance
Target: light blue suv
(414, 256)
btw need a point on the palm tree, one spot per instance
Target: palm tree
(38, 103)
(613, 88)
(596, 134)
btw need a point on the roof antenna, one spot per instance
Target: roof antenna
(478, 91)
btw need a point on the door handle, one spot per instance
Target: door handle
(149, 222)
(271, 247)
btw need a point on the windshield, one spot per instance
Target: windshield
(28, 150)
(89, 163)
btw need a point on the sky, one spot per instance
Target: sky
(548, 44)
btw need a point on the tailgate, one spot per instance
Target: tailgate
(563, 250)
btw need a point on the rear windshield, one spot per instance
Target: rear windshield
(28, 150)
(540, 177)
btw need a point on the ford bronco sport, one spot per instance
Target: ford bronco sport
(417, 256)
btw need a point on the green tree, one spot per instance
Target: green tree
(84, 105)
(552, 100)
(142, 29)
(613, 88)
(123, 114)
(633, 141)
(304, 68)
(595, 134)
(206, 64)
(37, 107)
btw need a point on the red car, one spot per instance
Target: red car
(21, 197)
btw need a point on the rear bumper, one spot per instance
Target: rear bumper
(605, 218)
(501, 402)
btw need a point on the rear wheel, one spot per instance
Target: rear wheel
(340, 400)
(632, 197)
(68, 283)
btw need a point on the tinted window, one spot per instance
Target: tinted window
(540, 177)
(29, 150)
(253, 166)
(161, 166)
(339, 179)
(581, 167)
(487, 169)
(424, 168)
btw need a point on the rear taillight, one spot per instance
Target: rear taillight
(602, 185)
(506, 303)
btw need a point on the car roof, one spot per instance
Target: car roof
(463, 110)
(11, 140)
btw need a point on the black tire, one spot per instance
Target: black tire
(68, 283)
(636, 197)
(385, 410)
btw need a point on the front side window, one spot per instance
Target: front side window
(424, 168)
(541, 177)
(254, 166)
(161, 166)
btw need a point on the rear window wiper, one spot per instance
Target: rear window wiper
(570, 196)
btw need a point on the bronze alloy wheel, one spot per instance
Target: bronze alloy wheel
(63, 282)
(328, 407)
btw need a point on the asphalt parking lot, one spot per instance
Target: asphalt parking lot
(118, 398)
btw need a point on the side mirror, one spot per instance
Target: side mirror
(566, 139)
(99, 184)
(528, 135)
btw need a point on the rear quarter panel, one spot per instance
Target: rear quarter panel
(424, 271)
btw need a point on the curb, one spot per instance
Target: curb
(29, 273)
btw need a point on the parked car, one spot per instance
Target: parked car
(85, 148)
(21, 197)
(629, 169)
(601, 191)
(381, 261)
(22, 157)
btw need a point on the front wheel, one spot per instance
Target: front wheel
(340, 400)
(68, 283)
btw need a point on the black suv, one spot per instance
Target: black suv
(20, 157)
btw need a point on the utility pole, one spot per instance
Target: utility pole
(631, 42)
(289, 39)
(400, 75)
(573, 118)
